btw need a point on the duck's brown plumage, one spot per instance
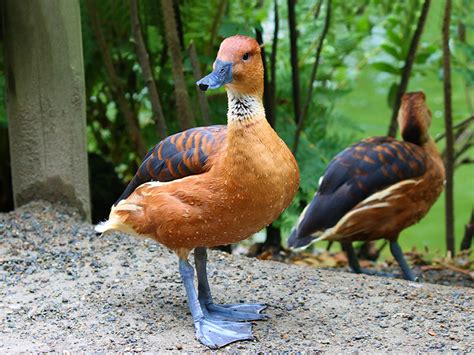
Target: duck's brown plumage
(213, 185)
(377, 187)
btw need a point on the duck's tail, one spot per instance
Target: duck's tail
(118, 218)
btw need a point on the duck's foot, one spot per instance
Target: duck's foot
(398, 255)
(218, 333)
(374, 273)
(236, 312)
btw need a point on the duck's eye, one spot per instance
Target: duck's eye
(246, 56)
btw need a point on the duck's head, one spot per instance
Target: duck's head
(238, 66)
(414, 118)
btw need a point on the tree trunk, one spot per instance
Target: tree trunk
(184, 112)
(448, 123)
(45, 96)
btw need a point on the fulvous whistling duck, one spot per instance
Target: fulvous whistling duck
(376, 188)
(212, 186)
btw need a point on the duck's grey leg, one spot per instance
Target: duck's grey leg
(211, 332)
(352, 258)
(354, 262)
(239, 312)
(398, 255)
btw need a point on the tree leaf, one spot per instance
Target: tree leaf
(421, 58)
(395, 38)
(386, 67)
(390, 49)
(392, 92)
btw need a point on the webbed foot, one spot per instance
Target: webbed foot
(236, 312)
(218, 333)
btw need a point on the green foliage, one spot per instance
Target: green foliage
(365, 35)
(398, 27)
(463, 47)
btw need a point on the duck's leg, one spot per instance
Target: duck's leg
(354, 263)
(238, 312)
(211, 332)
(352, 257)
(398, 255)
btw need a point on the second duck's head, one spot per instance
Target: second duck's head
(414, 118)
(238, 66)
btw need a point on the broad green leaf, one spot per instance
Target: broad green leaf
(392, 94)
(390, 49)
(386, 67)
(395, 38)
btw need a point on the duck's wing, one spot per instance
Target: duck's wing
(182, 154)
(352, 176)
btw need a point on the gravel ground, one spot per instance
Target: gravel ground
(62, 288)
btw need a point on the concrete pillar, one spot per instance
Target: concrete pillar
(45, 96)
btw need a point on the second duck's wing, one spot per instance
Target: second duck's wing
(353, 175)
(182, 154)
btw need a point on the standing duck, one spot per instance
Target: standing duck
(377, 188)
(212, 186)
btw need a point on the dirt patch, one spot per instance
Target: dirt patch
(63, 288)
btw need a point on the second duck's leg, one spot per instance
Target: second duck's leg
(213, 333)
(239, 311)
(354, 262)
(352, 258)
(398, 255)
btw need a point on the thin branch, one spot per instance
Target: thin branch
(318, 10)
(456, 269)
(463, 142)
(272, 77)
(273, 237)
(295, 73)
(468, 233)
(266, 84)
(114, 82)
(184, 112)
(459, 154)
(465, 161)
(402, 87)
(215, 25)
(202, 98)
(314, 71)
(462, 124)
(312, 17)
(448, 122)
(143, 59)
(463, 39)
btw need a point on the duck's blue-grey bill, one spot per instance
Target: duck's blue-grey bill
(221, 75)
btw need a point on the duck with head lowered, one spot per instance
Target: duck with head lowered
(376, 188)
(213, 186)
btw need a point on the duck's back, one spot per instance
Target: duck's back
(182, 154)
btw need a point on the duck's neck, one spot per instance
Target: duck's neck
(244, 109)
